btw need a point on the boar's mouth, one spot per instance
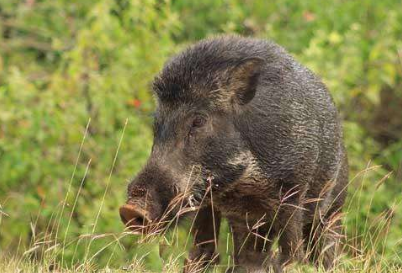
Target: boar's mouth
(134, 218)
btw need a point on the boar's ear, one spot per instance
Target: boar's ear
(243, 80)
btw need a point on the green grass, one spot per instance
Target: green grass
(361, 251)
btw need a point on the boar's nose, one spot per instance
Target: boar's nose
(133, 217)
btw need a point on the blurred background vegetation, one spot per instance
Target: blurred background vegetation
(69, 64)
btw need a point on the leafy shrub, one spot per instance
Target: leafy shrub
(75, 110)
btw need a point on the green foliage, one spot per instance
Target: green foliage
(75, 111)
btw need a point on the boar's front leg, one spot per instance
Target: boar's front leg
(291, 236)
(252, 250)
(205, 231)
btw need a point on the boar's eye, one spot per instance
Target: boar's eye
(198, 122)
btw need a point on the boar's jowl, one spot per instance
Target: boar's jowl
(245, 132)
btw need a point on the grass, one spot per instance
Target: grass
(362, 252)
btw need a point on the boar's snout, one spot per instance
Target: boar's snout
(148, 197)
(134, 218)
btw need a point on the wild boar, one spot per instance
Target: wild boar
(243, 131)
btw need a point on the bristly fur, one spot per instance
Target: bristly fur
(266, 139)
(199, 72)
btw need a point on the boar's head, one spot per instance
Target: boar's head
(202, 99)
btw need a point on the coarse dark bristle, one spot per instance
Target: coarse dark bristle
(196, 71)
